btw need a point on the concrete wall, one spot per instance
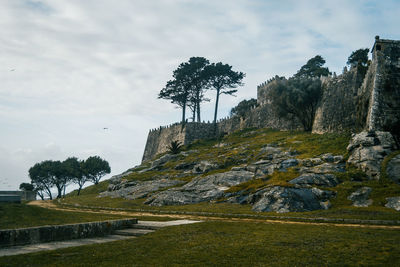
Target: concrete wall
(32, 235)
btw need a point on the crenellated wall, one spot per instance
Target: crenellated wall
(350, 102)
(337, 109)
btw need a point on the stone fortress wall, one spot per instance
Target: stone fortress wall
(349, 103)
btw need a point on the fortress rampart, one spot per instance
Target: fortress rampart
(351, 101)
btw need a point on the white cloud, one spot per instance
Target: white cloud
(84, 65)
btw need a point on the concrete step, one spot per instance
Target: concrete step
(133, 232)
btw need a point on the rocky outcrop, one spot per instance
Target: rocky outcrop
(393, 203)
(368, 149)
(360, 197)
(393, 169)
(135, 190)
(200, 189)
(285, 199)
(315, 179)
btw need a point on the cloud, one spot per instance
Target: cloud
(84, 65)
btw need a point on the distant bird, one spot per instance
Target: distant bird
(12, 70)
(105, 128)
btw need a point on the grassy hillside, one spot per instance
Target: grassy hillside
(243, 147)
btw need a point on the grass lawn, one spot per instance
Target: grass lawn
(233, 244)
(21, 215)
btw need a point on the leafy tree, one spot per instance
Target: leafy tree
(94, 168)
(358, 58)
(187, 87)
(72, 172)
(26, 187)
(243, 107)
(178, 89)
(174, 147)
(223, 79)
(296, 97)
(198, 81)
(41, 181)
(313, 68)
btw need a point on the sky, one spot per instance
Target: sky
(70, 68)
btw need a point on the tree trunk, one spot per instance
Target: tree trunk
(216, 106)
(184, 113)
(198, 106)
(59, 191)
(194, 112)
(79, 190)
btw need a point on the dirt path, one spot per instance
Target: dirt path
(51, 205)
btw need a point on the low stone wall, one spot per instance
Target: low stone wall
(48, 233)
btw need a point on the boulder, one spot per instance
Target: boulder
(203, 167)
(393, 203)
(135, 189)
(200, 189)
(185, 166)
(393, 169)
(286, 199)
(368, 149)
(162, 160)
(324, 168)
(328, 157)
(315, 179)
(117, 178)
(360, 197)
(287, 163)
(311, 162)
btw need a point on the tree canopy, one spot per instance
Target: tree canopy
(223, 79)
(94, 168)
(48, 174)
(243, 107)
(358, 57)
(191, 80)
(298, 96)
(313, 68)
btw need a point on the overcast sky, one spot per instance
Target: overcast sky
(69, 68)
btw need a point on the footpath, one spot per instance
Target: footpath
(139, 229)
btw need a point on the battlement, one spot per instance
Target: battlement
(351, 101)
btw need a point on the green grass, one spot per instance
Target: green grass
(244, 147)
(21, 215)
(233, 244)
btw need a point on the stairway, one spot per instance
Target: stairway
(145, 227)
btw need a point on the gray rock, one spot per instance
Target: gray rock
(200, 189)
(135, 190)
(310, 179)
(324, 168)
(393, 203)
(288, 163)
(117, 178)
(162, 160)
(368, 149)
(203, 167)
(328, 157)
(360, 197)
(393, 169)
(311, 162)
(286, 199)
(185, 166)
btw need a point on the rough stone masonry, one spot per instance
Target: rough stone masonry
(349, 103)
